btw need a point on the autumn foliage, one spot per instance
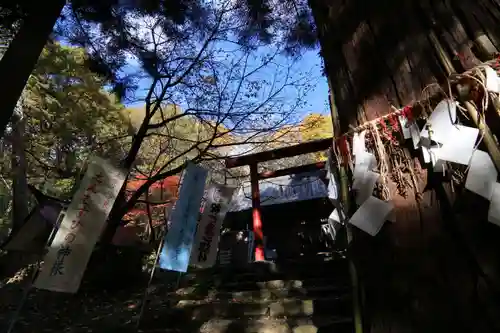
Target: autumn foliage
(161, 195)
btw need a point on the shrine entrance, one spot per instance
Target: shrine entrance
(292, 226)
(295, 177)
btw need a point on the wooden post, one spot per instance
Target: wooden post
(256, 215)
(449, 217)
(344, 197)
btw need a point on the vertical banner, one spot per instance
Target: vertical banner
(81, 227)
(333, 192)
(179, 239)
(216, 205)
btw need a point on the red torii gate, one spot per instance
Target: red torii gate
(253, 160)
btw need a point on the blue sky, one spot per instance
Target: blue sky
(317, 98)
(316, 101)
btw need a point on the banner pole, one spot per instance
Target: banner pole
(158, 252)
(178, 281)
(146, 292)
(345, 198)
(34, 275)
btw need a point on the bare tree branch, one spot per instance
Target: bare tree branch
(230, 96)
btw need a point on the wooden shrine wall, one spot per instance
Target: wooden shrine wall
(379, 53)
(436, 268)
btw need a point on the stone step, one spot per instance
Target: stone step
(237, 280)
(232, 279)
(255, 325)
(288, 290)
(245, 285)
(264, 269)
(340, 305)
(260, 300)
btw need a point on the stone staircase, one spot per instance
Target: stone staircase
(302, 296)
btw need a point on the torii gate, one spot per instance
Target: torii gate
(253, 160)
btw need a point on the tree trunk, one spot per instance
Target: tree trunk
(117, 211)
(20, 189)
(22, 55)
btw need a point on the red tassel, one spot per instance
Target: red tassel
(383, 125)
(386, 131)
(344, 149)
(497, 61)
(394, 123)
(408, 113)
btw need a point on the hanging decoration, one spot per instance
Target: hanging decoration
(382, 158)
(333, 189)
(482, 175)
(373, 211)
(474, 79)
(400, 168)
(444, 143)
(344, 150)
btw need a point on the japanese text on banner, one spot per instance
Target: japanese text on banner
(206, 241)
(179, 239)
(80, 228)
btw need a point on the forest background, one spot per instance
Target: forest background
(200, 93)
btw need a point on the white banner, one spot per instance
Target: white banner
(81, 227)
(333, 192)
(216, 205)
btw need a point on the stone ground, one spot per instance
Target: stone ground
(304, 297)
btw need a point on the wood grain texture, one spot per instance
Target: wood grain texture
(416, 273)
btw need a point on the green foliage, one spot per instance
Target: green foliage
(314, 127)
(196, 54)
(171, 143)
(68, 116)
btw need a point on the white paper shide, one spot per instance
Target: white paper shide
(492, 80)
(332, 182)
(494, 210)
(482, 175)
(461, 145)
(405, 126)
(366, 187)
(443, 140)
(441, 120)
(358, 143)
(364, 162)
(371, 215)
(68, 255)
(372, 212)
